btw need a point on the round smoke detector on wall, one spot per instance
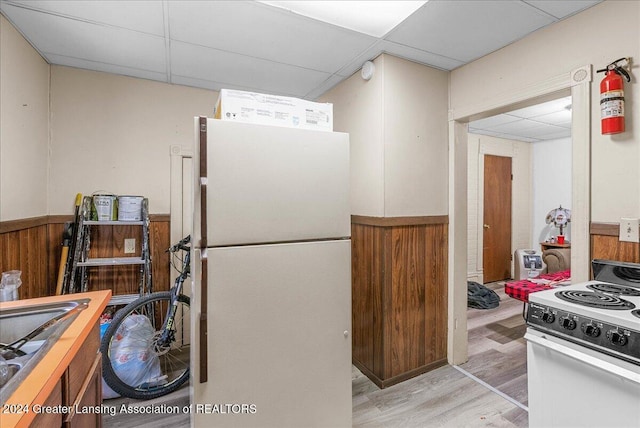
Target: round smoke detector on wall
(367, 70)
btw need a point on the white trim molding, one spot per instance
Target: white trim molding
(577, 83)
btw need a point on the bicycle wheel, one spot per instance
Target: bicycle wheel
(136, 361)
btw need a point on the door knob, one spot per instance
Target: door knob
(486, 226)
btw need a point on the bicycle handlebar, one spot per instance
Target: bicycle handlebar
(181, 245)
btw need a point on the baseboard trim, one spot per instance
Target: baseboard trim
(385, 383)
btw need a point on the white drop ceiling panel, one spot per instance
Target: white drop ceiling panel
(257, 47)
(543, 129)
(541, 122)
(562, 9)
(265, 32)
(75, 39)
(493, 121)
(545, 108)
(108, 68)
(435, 60)
(466, 30)
(236, 70)
(144, 16)
(324, 87)
(520, 125)
(559, 118)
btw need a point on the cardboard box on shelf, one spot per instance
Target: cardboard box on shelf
(264, 109)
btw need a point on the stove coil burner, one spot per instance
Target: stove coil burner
(615, 289)
(627, 273)
(595, 300)
(636, 313)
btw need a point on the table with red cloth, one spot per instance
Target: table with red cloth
(521, 289)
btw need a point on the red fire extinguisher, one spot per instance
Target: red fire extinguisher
(612, 98)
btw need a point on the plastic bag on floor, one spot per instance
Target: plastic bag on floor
(132, 356)
(107, 392)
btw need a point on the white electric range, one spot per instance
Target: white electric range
(583, 351)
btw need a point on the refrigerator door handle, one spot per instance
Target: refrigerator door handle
(202, 173)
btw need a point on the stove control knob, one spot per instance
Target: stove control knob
(591, 330)
(567, 323)
(548, 317)
(616, 338)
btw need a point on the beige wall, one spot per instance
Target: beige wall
(357, 110)
(415, 139)
(24, 127)
(562, 47)
(397, 123)
(112, 133)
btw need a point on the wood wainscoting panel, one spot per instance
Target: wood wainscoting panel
(367, 272)
(108, 242)
(159, 242)
(436, 253)
(26, 250)
(54, 252)
(407, 299)
(34, 246)
(399, 296)
(610, 248)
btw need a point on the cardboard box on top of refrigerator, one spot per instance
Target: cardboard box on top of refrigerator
(264, 109)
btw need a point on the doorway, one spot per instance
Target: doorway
(504, 170)
(496, 248)
(576, 83)
(180, 205)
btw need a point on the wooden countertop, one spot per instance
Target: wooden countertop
(37, 386)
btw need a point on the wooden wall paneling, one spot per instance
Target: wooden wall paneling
(384, 308)
(159, 242)
(370, 299)
(436, 293)
(108, 242)
(26, 250)
(10, 255)
(408, 303)
(32, 261)
(362, 273)
(37, 260)
(610, 248)
(54, 250)
(33, 246)
(399, 293)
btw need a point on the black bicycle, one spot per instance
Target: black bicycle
(145, 349)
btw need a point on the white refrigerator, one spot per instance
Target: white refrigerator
(271, 309)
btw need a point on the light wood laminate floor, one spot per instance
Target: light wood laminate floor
(445, 397)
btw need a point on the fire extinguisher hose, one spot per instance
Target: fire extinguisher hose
(617, 68)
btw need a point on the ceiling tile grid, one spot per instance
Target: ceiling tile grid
(253, 46)
(138, 15)
(447, 27)
(264, 32)
(541, 122)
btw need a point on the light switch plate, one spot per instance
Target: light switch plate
(629, 230)
(129, 246)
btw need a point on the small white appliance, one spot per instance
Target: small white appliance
(583, 351)
(528, 264)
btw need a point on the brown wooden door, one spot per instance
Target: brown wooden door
(497, 218)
